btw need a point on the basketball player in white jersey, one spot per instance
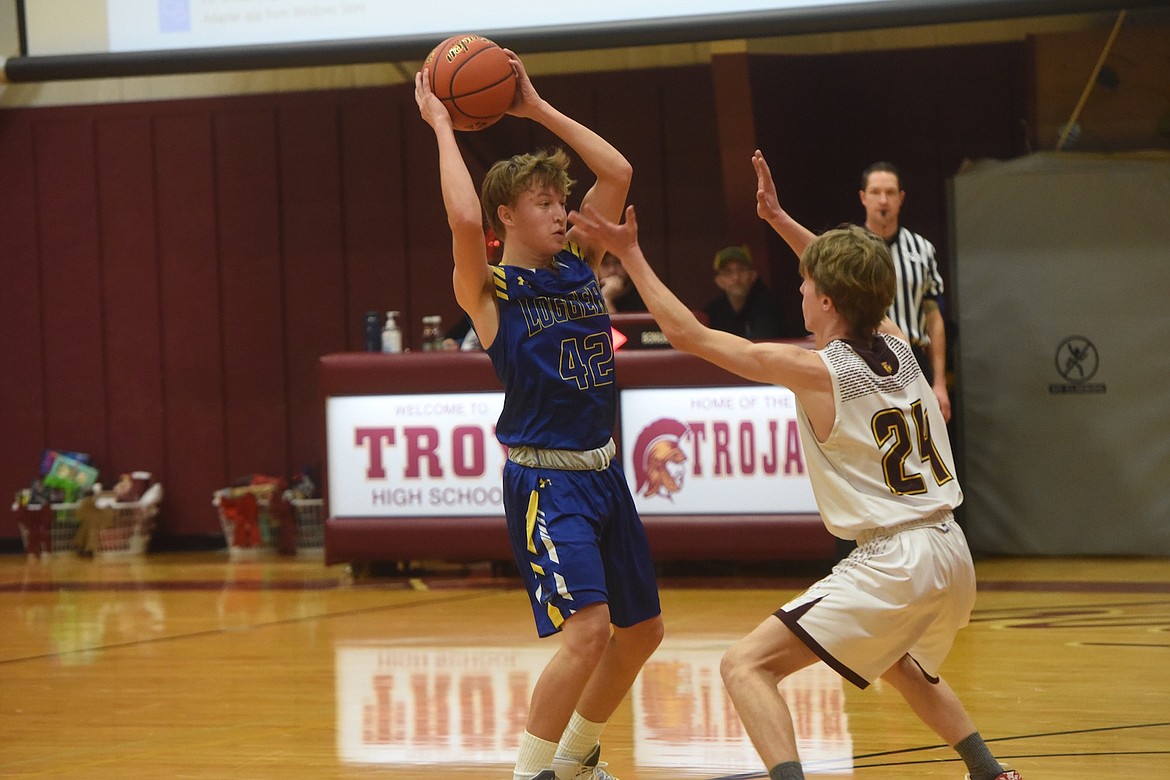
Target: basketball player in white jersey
(881, 468)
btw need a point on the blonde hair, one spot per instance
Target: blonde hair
(508, 178)
(853, 267)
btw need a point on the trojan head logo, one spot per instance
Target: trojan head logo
(659, 459)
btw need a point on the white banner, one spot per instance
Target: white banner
(714, 450)
(432, 455)
(720, 451)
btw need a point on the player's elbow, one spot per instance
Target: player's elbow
(686, 337)
(464, 223)
(621, 172)
(627, 170)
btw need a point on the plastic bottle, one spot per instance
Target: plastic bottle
(373, 326)
(391, 335)
(432, 334)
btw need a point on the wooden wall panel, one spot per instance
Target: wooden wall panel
(694, 225)
(193, 376)
(71, 276)
(373, 197)
(22, 358)
(427, 249)
(252, 290)
(313, 244)
(130, 295)
(737, 134)
(642, 96)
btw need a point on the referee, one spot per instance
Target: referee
(915, 308)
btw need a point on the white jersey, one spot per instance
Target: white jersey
(887, 460)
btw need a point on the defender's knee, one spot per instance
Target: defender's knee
(737, 663)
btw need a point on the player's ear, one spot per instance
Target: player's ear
(504, 214)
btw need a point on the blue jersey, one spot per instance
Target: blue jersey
(554, 355)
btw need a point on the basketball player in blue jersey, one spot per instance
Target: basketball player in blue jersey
(576, 536)
(881, 469)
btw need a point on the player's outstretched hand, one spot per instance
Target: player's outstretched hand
(432, 109)
(620, 240)
(767, 202)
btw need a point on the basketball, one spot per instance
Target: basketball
(473, 78)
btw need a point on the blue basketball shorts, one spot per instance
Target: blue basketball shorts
(577, 540)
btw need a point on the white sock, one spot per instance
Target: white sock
(579, 739)
(536, 755)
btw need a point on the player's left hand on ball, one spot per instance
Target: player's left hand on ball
(526, 96)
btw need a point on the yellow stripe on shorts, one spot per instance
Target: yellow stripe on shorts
(530, 525)
(555, 616)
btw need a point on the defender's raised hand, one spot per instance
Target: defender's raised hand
(620, 240)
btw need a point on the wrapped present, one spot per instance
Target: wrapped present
(72, 476)
(48, 457)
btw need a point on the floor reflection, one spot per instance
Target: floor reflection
(467, 705)
(684, 719)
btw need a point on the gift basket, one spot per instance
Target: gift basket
(264, 514)
(68, 511)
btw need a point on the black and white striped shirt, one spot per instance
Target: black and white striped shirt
(918, 279)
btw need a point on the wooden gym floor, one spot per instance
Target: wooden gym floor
(198, 666)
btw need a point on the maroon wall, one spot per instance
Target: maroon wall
(925, 110)
(173, 270)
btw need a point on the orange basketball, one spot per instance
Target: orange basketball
(473, 78)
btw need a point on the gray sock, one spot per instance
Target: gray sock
(980, 763)
(789, 770)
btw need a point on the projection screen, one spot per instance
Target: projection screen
(80, 39)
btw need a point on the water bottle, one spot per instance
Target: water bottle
(373, 332)
(432, 335)
(391, 335)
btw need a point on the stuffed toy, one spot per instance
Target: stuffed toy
(126, 491)
(92, 519)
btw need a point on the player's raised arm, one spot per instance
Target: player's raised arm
(472, 275)
(612, 169)
(796, 235)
